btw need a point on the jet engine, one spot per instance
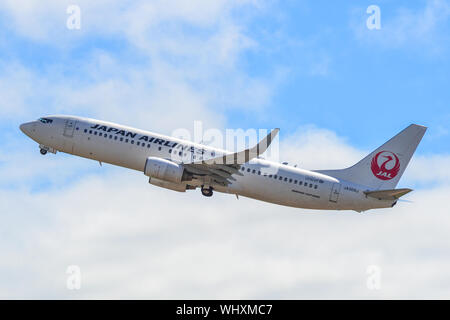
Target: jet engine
(180, 187)
(165, 170)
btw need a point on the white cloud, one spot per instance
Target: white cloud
(181, 74)
(158, 27)
(16, 84)
(34, 19)
(317, 149)
(429, 169)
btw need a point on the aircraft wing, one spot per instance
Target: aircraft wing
(220, 169)
(393, 194)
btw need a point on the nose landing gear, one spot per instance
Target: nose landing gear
(44, 149)
(207, 192)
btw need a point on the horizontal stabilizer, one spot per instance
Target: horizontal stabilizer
(393, 194)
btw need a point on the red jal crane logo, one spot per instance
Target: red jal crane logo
(385, 165)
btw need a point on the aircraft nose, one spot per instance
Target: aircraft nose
(26, 128)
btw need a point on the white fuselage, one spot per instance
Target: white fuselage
(261, 179)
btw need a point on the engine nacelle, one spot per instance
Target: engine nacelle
(180, 187)
(164, 170)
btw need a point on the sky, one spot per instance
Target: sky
(337, 90)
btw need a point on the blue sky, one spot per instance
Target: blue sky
(312, 68)
(368, 89)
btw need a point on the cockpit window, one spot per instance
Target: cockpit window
(45, 120)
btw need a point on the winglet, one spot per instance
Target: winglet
(262, 146)
(245, 155)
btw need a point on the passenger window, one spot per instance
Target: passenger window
(159, 148)
(126, 140)
(300, 183)
(170, 150)
(179, 153)
(259, 173)
(243, 168)
(275, 176)
(310, 185)
(132, 141)
(95, 133)
(148, 145)
(85, 130)
(281, 178)
(253, 171)
(285, 179)
(315, 187)
(115, 137)
(270, 176)
(248, 170)
(290, 180)
(90, 131)
(138, 143)
(121, 139)
(295, 181)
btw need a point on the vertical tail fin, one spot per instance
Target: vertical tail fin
(383, 168)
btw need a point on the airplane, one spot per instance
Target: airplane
(182, 165)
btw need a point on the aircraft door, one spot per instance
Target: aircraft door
(68, 142)
(69, 128)
(335, 192)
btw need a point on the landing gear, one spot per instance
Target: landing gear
(45, 149)
(207, 192)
